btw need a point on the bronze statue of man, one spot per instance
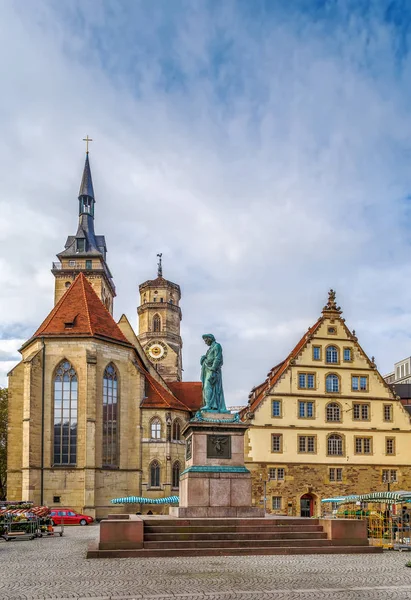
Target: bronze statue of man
(211, 378)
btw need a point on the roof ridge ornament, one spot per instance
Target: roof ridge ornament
(331, 305)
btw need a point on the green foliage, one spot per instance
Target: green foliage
(408, 564)
(3, 443)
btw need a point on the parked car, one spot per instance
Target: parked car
(69, 517)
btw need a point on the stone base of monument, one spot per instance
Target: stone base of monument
(215, 483)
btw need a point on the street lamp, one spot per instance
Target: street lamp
(389, 479)
(264, 482)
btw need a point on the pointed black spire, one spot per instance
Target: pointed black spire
(159, 265)
(86, 186)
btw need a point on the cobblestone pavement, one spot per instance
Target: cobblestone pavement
(57, 568)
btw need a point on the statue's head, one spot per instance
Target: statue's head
(208, 338)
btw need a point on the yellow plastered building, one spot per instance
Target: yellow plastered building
(325, 424)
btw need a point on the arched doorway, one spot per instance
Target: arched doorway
(307, 505)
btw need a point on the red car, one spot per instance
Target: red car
(69, 517)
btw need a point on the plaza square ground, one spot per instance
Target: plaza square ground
(57, 568)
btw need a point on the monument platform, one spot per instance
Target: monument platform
(215, 483)
(125, 536)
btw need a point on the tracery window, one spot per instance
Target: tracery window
(65, 415)
(110, 425)
(156, 323)
(155, 429)
(176, 431)
(176, 474)
(155, 474)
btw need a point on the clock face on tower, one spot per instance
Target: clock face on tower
(156, 350)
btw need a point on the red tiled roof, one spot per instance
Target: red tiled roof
(81, 312)
(159, 397)
(189, 392)
(276, 372)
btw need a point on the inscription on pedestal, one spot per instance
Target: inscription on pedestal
(218, 446)
(189, 448)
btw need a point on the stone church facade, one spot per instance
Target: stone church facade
(95, 410)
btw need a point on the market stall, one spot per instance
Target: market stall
(24, 521)
(388, 515)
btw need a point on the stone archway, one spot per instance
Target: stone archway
(307, 505)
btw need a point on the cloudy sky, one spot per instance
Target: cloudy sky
(263, 146)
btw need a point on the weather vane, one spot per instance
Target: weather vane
(159, 265)
(87, 140)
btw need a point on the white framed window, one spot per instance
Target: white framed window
(332, 383)
(331, 355)
(276, 502)
(276, 408)
(333, 412)
(387, 412)
(316, 352)
(305, 409)
(359, 383)
(389, 476)
(276, 442)
(276, 474)
(335, 445)
(306, 444)
(390, 446)
(306, 381)
(335, 474)
(155, 429)
(363, 445)
(347, 355)
(361, 412)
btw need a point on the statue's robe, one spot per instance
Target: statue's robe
(211, 378)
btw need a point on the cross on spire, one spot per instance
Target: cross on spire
(87, 140)
(159, 265)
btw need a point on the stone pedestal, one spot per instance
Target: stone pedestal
(215, 482)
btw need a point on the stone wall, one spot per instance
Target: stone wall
(86, 486)
(312, 479)
(165, 451)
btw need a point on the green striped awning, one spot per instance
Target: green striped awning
(387, 497)
(142, 500)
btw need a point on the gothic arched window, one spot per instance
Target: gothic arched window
(176, 474)
(156, 323)
(65, 415)
(335, 445)
(110, 403)
(155, 429)
(332, 383)
(331, 354)
(176, 431)
(155, 474)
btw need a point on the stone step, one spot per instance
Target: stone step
(148, 528)
(249, 543)
(233, 522)
(158, 537)
(93, 551)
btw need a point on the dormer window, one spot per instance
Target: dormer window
(69, 324)
(80, 245)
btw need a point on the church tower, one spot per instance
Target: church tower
(159, 316)
(85, 252)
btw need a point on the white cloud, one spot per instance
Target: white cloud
(268, 159)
